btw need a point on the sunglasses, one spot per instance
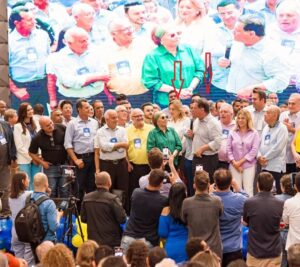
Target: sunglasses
(173, 35)
(164, 117)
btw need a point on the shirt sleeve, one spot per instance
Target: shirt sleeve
(229, 148)
(151, 142)
(119, 212)
(281, 142)
(69, 136)
(163, 227)
(34, 146)
(52, 216)
(251, 155)
(151, 73)
(103, 142)
(285, 214)
(216, 136)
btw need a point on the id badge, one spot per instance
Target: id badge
(137, 143)
(225, 133)
(288, 43)
(31, 54)
(123, 67)
(267, 139)
(2, 139)
(86, 132)
(83, 70)
(113, 140)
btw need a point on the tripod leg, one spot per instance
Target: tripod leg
(79, 223)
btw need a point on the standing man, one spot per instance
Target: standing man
(103, 213)
(110, 147)
(202, 213)
(8, 158)
(147, 108)
(50, 140)
(28, 51)
(264, 244)
(137, 134)
(79, 138)
(98, 107)
(272, 150)
(291, 119)
(207, 138)
(2, 109)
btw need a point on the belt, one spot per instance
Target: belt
(85, 155)
(114, 161)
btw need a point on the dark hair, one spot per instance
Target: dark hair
(38, 109)
(201, 180)
(287, 184)
(177, 194)
(102, 252)
(96, 101)
(294, 255)
(22, 114)
(17, 185)
(15, 15)
(172, 92)
(121, 97)
(219, 101)
(244, 101)
(65, 102)
(155, 158)
(145, 105)
(193, 246)
(156, 255)
(224, 3)
(237, 100)
(297, 181)
(265, 181)
(223, 179)
(130, 4)
(253, 22)
(261, 94)
(156, 177)
(137, 253)
(114, 261)
(202, 103)
(237, 263)
(79, 103)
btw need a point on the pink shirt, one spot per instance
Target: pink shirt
(226, 129)
(243, 145)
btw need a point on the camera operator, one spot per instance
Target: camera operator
(103, 213)
(156, 161)
(50, 140)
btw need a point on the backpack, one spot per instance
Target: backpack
(28, 222)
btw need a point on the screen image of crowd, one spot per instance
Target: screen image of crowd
(171, 126)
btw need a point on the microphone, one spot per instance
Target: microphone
(191, 124)
(227, 51)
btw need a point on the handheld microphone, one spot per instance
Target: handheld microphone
(227, 51)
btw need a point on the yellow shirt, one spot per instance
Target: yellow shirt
(297, 141)
(137, 139)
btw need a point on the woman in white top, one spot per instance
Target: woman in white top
(24, 131)
(18, 195)
(198, 30)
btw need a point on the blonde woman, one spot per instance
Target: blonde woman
(242, 147)
(198, 30)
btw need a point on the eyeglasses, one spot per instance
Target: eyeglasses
(164, 117)
(52, 141)
(137, 116)
(174, 34)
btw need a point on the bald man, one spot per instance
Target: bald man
(49, 215)
(272, 151)
(50, 140)
(103, 213)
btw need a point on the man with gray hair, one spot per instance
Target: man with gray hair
(103, 213)
(272, 151)
(110, 146)
(77, 69)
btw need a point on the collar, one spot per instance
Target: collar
(68, 51)
(264, 193)
(257, 46)
(108, 128)
(163, 51)
(206, 118)
(159, 130)
(18, 36)
(81, 120)
(275, 125)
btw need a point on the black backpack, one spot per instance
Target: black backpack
(28, 222)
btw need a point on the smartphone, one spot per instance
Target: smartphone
(166, 153)
(199, 168)
(118, 251)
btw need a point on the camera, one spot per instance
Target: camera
(165, 153)
(119, 251)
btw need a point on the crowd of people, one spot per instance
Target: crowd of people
(168, 176)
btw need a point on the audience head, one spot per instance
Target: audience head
(177, 194)
(58, 256)
(195, 245)
(265, 181)
(111, 118)
(19, 184)
(102, 252)
(201, 181)
(110, 261)
(156, 255)
(77, 40)
(40, 182)
(136, 255)
(237, 263)
(223, 179)
(208, 258)
(103, 180)
(155, 158)
(86, 254)
(56, 116)
(294, 255)
(286, 184)
(38, 109)
(11, 116)
(43, 248)
(156, 177)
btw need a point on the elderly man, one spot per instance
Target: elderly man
(137, 134)
(110, 148)
(291, 119)
(77, 69)
(227, 123)
(125, 56)
(272, 150)
(3, 107)
(50, 140)
(123, 115)
(254, 60)
(28, 51)
(84, 16)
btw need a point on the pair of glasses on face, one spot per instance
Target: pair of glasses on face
(174, 34)
(52, 141)
(164, 117)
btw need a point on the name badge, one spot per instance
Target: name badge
(123, 67)
(2, 139)
(288, 43)
(83, 70)
(31, 54)
(113, 140)
(225, 133)
(86, 132)
(267, 139)
(137, 143)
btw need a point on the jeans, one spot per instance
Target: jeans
(56, 181)
(127, 240)
(22, 250)
(31, 171)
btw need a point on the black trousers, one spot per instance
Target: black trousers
(118, 171)
(138, 171)
(231, 256)
(209, 163)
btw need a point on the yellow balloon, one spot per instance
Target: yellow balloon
(83, 227)
(77, 241)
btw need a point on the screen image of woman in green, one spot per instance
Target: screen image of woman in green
(158, 67)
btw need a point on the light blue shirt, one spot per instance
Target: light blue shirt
(260, 63)
(104, 17)
(72, 71)
(273, 147)
(80, 135)
(224, 38)
(28, 55)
